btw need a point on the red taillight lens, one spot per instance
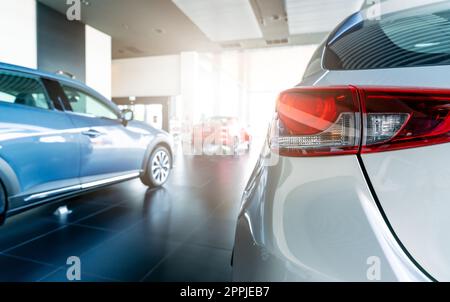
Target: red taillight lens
(308, 112)
(330, 121)
(422, 118)
(312, 122)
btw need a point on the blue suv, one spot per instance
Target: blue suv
(59, 138)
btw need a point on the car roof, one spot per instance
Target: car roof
(55, 77)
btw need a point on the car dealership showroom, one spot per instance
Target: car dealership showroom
(224, 141)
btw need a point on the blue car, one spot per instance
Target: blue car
(59, 138)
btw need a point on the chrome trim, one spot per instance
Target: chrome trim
(84, 186)
(92, 133)
(52, 193)
(109, 180)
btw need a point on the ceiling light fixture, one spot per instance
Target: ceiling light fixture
(159, 31)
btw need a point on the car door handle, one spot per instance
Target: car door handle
(92, 133)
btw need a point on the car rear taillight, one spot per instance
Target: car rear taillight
(348, 120)
(417, 117)
(313, 121)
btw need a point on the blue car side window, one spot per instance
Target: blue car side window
(23, 90)
(84, 103)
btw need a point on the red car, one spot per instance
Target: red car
(222, 131)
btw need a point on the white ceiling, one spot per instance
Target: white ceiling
(142, 27)
(222, 20)
(313, 16)
(158, 27)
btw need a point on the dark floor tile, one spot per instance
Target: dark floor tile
(127, 257)
(227, 211)
(215, 233)
(23, 228)
(56, 247)
(171, 226)
(18, 270)
(114, 195)
(193, 263)
(115, 219)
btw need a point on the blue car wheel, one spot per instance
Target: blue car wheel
(158, 167)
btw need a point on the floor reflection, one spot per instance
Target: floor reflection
(127, 232)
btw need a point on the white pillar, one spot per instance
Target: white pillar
(18, 33)
(98, 61)
(189, 73)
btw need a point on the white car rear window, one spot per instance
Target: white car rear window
(410, 38)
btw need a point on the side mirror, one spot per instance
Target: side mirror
(127, 116)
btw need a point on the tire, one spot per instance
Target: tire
(158, 168)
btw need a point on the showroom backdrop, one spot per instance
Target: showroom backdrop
(186, 86)
(36, 36)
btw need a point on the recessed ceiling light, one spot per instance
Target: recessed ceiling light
(159, 31)
(275, 17)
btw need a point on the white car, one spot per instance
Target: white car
(354, 181)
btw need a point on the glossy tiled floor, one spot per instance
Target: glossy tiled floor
(182, 232)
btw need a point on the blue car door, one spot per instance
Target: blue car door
(109, 149)
(37, 141)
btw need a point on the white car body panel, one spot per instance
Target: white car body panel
(413, 188)
(412, 185)
(293, 229)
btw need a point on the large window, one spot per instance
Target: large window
(82, 102)
(23, 90)
(411, 38)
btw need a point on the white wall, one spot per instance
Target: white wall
(18, 37)
(279, 68)
(98, 61)
(148, 76)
